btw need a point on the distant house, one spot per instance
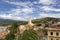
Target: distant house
(36, 27)
(30, 25)
(42, 36)
(3, 31)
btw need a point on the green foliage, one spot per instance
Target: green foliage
(45, 20)
(5, 22)
(14, 28)
(10, 37)
(38, 24)
(2, 39)
(29, 35)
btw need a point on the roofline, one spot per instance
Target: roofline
(53, 29)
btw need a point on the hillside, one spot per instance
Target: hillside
(36, 21)
(8, 21)
(45, 20)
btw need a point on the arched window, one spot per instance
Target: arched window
(51, 33)
(57, 34)
(57, 39)
(51, 38)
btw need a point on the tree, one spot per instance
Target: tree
(29, 35)
(2, 39)
(14, 29)
(10, 37)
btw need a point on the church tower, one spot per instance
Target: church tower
(30, 24)
(30, 21)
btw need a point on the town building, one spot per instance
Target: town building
(36, 27)
(4, 31)
(54, 31)
(30, 25)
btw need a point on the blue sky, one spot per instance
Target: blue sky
(22, 9)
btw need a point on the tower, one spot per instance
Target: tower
(30, 24)
(30, 21)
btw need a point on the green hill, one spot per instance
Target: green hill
(36, 21)
(8, 21)
(45, 20)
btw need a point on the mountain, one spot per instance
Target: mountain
(46, 19)
(36, 21)
(8, 21)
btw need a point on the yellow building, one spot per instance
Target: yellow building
(54, 32)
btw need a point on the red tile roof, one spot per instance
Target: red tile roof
(56, 25)
(2, 34)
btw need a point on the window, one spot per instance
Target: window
(51, 33)
(57, 39)
(51, 38)
(57, 34)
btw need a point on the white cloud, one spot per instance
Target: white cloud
(48, 8)
(49, 15)
(14, 14)
(35, 2)
(27, 10)
(24, 4)
(18, 11)
(47, 2)
(14, 11)
(4, 16)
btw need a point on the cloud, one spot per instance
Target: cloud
(47, 2)
(4, 16)
(31, 9)
(49, 15)
(48, 8)
(18, 11)
(17, 14)
(27, 10)
(24, 4)
(14, 11)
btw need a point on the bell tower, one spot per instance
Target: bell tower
(30, 24)
(29, 21)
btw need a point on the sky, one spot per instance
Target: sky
(22, 9)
